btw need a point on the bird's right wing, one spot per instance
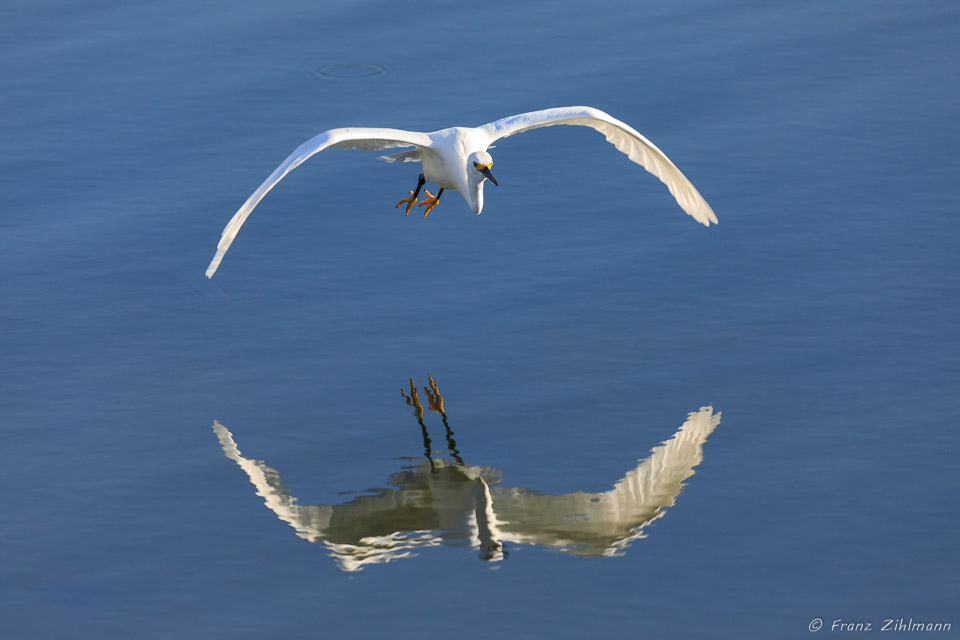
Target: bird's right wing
(349, 138)
(621, 135)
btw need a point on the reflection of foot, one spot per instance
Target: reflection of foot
(434, 399)
(431, 201)
(413, 400)
(410, 200)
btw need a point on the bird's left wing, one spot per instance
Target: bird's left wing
(347, 138)
(625, 138)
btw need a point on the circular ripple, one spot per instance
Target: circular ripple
(350, 70)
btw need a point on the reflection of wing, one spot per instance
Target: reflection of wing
(603, 523)
(621, 135)
(352, 138)
(270, 488)
(433, 503)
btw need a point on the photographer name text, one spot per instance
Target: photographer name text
(887, 624)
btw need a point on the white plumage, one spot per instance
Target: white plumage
(455, 159)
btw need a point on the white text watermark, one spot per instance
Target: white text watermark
(885, 624)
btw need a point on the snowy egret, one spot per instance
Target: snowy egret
(457, 159)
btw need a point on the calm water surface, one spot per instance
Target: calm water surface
(639, 426)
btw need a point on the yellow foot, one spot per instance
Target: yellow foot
(431, 201)
(409, 200)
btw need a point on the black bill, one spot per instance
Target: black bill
(489, 174)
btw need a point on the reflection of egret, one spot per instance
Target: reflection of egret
(433, 502)
(457, 159)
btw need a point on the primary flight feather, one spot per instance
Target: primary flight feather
(457, 159)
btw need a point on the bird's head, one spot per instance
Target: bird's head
(479, 164)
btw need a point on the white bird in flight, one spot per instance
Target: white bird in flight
(456, 158)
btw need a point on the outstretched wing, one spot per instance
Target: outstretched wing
(349, 138)
(625, 138)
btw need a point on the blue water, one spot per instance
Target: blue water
(572, 328)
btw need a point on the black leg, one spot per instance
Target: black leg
(412, 198)
(451, 443)
(421, 180)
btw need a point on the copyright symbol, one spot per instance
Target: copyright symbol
(815, 624)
